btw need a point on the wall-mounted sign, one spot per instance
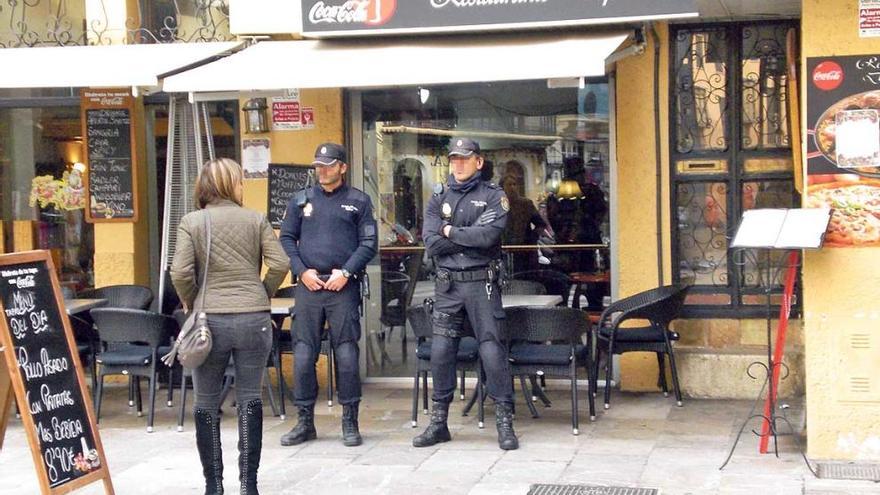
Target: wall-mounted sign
(843, 146)
(111, 163)
(347, 17)
(47, 376)
(286, 113)
(869, 18)
(255, 158)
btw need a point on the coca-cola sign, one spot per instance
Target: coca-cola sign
(325, 18)
(828, 75)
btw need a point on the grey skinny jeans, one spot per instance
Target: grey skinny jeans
(247, 338)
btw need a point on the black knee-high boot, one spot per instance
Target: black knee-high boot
(250, 444)
(210, 453)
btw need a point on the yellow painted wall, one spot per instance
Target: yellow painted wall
(841, 289)
(636, 191)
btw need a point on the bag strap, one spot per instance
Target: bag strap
(207, 261)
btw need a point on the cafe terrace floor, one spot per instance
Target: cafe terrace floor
(642, 441)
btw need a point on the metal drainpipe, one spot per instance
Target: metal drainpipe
(658, 155)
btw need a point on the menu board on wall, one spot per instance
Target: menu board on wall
(284, 182)
(47, 376)
(843, 146)
(110, 161)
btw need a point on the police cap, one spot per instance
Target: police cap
(328, 154)
(464, 147)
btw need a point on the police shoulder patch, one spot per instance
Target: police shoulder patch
(438, 189)
(505, 203)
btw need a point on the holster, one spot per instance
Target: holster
(443, 281)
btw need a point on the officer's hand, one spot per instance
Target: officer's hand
(446, 230)
(310, 279)
(337, 281)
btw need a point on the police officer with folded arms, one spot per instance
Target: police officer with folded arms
(462, 232)
(329, 233)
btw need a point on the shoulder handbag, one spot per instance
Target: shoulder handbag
(193, 343)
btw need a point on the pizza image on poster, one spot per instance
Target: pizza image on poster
(843, 146)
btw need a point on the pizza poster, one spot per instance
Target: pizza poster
(843, 146)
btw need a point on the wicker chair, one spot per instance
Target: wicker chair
(523, 287)
(548, 341)
(467, 359)
(659, 307)
(132, 338)
(122, 296)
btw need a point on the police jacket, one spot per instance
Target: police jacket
(328, 231)
(477, 211)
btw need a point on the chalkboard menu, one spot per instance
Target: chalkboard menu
(47, 376)
(111, 164)
(284, 181)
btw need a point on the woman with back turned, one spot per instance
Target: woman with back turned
(236, 301)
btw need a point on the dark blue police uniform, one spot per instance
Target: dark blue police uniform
(328, 231)
(467, 286)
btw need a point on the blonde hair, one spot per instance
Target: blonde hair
(217, 181)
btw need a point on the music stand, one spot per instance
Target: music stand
(764, 231)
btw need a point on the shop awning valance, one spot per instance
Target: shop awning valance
(101, 66)
(273, 65)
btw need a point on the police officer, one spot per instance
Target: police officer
(329, 233)
(462, 231)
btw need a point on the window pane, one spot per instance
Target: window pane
(41, 185)
(548, 149)
(702, 228)
(764, 90)
(701, 101)
(764, 194)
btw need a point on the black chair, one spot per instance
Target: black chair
(117, 296)
(557, 283)
(397, 292)
(132, 338)
(523, 287)
(547, 341)
(656, 306)
(122, 296)
(419, 318)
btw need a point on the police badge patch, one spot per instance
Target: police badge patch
(447, 209)
(307, 210)
(505, 203)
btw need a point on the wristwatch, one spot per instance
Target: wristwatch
(346, 273)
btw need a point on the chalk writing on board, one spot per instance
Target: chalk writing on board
(111, 185)
(284, 182)
(53, 396)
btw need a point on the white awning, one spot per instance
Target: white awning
(101, 66)
(273, 65)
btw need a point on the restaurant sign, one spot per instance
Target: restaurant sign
(843, 146)
(358, 17)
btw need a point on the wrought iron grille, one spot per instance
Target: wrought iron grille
(729, 102)
(28, 23)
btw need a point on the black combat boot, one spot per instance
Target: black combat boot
(504, 423)
(250, 445)
(437, 431)
(304, 429)
(351, 436)
(208, 444)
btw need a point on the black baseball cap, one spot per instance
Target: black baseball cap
(328, 154)
(464, 147)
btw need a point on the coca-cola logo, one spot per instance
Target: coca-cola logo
(828, 75)
(369, 12)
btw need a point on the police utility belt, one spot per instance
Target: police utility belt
(489, 274)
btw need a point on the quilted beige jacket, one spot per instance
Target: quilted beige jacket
(241, 241)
